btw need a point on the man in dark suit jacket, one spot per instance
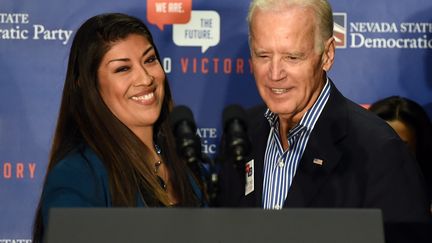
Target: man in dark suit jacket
(314, 147)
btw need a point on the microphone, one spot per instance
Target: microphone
(184, 129)
(189, 147)
(236, 140)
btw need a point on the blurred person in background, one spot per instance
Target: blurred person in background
(412, 124)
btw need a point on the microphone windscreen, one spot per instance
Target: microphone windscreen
(233, 112)
(181, 113)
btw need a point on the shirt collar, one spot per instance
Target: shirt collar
(308, 120)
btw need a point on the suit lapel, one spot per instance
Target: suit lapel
(321, 155)
(316, 165)
(258, 131)
(259, 159)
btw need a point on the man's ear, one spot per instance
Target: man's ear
(328, 54)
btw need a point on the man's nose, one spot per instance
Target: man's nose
(277, 70)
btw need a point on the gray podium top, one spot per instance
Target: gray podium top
(214, 225)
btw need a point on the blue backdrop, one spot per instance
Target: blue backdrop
(384, 48)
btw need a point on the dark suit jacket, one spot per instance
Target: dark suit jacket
(365, 165)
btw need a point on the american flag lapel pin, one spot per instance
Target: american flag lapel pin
(318, 161)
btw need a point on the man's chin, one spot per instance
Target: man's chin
(280, 108)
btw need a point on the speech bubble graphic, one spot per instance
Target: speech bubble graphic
(203, 30)
(162, 12)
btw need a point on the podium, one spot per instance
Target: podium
(214, 225)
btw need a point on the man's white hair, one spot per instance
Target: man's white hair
(321, 8)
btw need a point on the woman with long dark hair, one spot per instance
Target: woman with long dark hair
(113, 145)
(412, 124)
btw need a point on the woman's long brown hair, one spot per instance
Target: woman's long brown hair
(85, 119)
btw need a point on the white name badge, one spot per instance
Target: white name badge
(249, 175)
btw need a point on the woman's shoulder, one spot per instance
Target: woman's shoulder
(77, 180)
(81, 159)
(81, 174)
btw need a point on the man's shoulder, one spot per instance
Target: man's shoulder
(255, 116)
(366, 124)
(256, 111)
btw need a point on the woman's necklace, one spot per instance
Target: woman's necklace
(157, 164)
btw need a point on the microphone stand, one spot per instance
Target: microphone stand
(211, 179)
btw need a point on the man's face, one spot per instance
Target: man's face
(288, 69)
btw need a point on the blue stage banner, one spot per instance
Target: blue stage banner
(384, 48)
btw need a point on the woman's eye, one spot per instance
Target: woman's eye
(151, 59)
(121, 69)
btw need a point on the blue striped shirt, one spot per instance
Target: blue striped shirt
(280, 166)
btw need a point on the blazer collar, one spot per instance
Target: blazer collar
(321, 155)
(262, 132)
(258, 130)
